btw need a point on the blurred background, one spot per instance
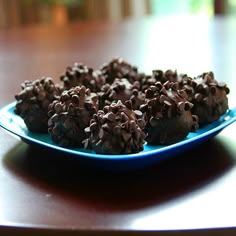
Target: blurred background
(17, 13)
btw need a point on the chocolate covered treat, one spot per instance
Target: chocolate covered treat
(80, 74)
(117, 129)
(33, 100)
(115, 109)
(123, 90)
(167, 113)
(119, 68)
(209, 99)
(70, 114)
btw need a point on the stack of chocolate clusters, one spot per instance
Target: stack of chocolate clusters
(116, 109)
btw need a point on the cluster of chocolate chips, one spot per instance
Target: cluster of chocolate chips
(168, 75)
(167, 114)
(209, 98)
(121, 89)
(115, 109)
(33, 101)
(117, 129)
(80, 74)
(70, 115)
(119, 68)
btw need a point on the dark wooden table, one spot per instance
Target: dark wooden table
(43, 192)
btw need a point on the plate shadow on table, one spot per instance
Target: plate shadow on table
(71, 178)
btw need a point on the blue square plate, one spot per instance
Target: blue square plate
(151, 154)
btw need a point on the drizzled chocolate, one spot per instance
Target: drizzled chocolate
(167, 113)
(33, 100)
(70, 114)
(117, 129)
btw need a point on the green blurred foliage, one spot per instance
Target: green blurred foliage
(172, 7)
